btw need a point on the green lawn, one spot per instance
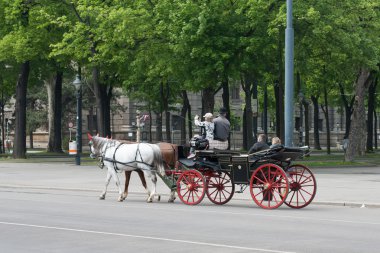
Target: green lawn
(317, 158)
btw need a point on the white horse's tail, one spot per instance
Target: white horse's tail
(158, 161)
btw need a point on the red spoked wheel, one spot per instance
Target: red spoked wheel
(302, 186)
(269, 186)
(191, 187)
(220, 188)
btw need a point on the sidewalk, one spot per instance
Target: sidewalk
(336, 186)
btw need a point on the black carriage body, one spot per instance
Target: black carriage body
(269, 175)
(241, 166)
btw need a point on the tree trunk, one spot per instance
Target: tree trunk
(208, 100)
(31, 146)
(189, 120)
(265, 111)
(54, 90)
(158, 126)
(103, 95)
(167, 115)
(317, 144)
(347, 109)
(19, 145)
(150, 125)
(371, 110)
(226, 103)
(325, 110)
(247, 86)
(254, 114)
(184, 108)
(357, 137)
(226, 96)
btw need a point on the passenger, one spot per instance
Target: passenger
(276, 142)
(208, 126)
(259, 145)
(222, 131)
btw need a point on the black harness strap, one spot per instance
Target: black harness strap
(115, 162)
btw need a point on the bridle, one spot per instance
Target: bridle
(99, 155)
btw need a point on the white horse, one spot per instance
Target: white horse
(127, 157)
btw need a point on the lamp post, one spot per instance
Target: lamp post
(289, 78)
(78, 86)
(300, 129)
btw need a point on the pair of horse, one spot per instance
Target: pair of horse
(145, 158)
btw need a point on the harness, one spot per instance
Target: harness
(115, 163)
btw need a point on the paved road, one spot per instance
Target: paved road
(54, 208)
(50, 220)
(343, 186)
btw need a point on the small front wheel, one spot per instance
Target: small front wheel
(220, 188)
(269, 186)
(191, 187)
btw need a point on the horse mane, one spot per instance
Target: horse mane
(99, 142)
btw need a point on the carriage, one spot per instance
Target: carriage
(270, 175)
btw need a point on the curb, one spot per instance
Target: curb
(322, 203)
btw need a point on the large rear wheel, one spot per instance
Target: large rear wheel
(269, 186)
(302, 186)
(220, 188)
(191, 187)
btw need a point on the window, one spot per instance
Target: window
(176, 122)
(235, 93)
(92, 123)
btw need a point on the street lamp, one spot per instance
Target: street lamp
(289, 71)
(301, 97)
(78, 86)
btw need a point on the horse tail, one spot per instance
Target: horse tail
(158, 161)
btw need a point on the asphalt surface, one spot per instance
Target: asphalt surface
(54, 207)
(351, 186)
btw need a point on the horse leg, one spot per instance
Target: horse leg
(143, 181)
(153, 178)
(127, 179)
(108, 179)
(117, 181)
(172, 196)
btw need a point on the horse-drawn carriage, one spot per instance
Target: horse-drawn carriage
(270, 175)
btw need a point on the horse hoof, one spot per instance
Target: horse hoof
(159, 198)
(171, 200)
(102, 197)
(149, 200)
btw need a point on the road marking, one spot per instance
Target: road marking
(145, 237)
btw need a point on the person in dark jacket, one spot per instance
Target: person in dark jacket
(259, 145)
(222, 131)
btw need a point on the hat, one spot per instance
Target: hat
(223, 110)
(208, 115)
